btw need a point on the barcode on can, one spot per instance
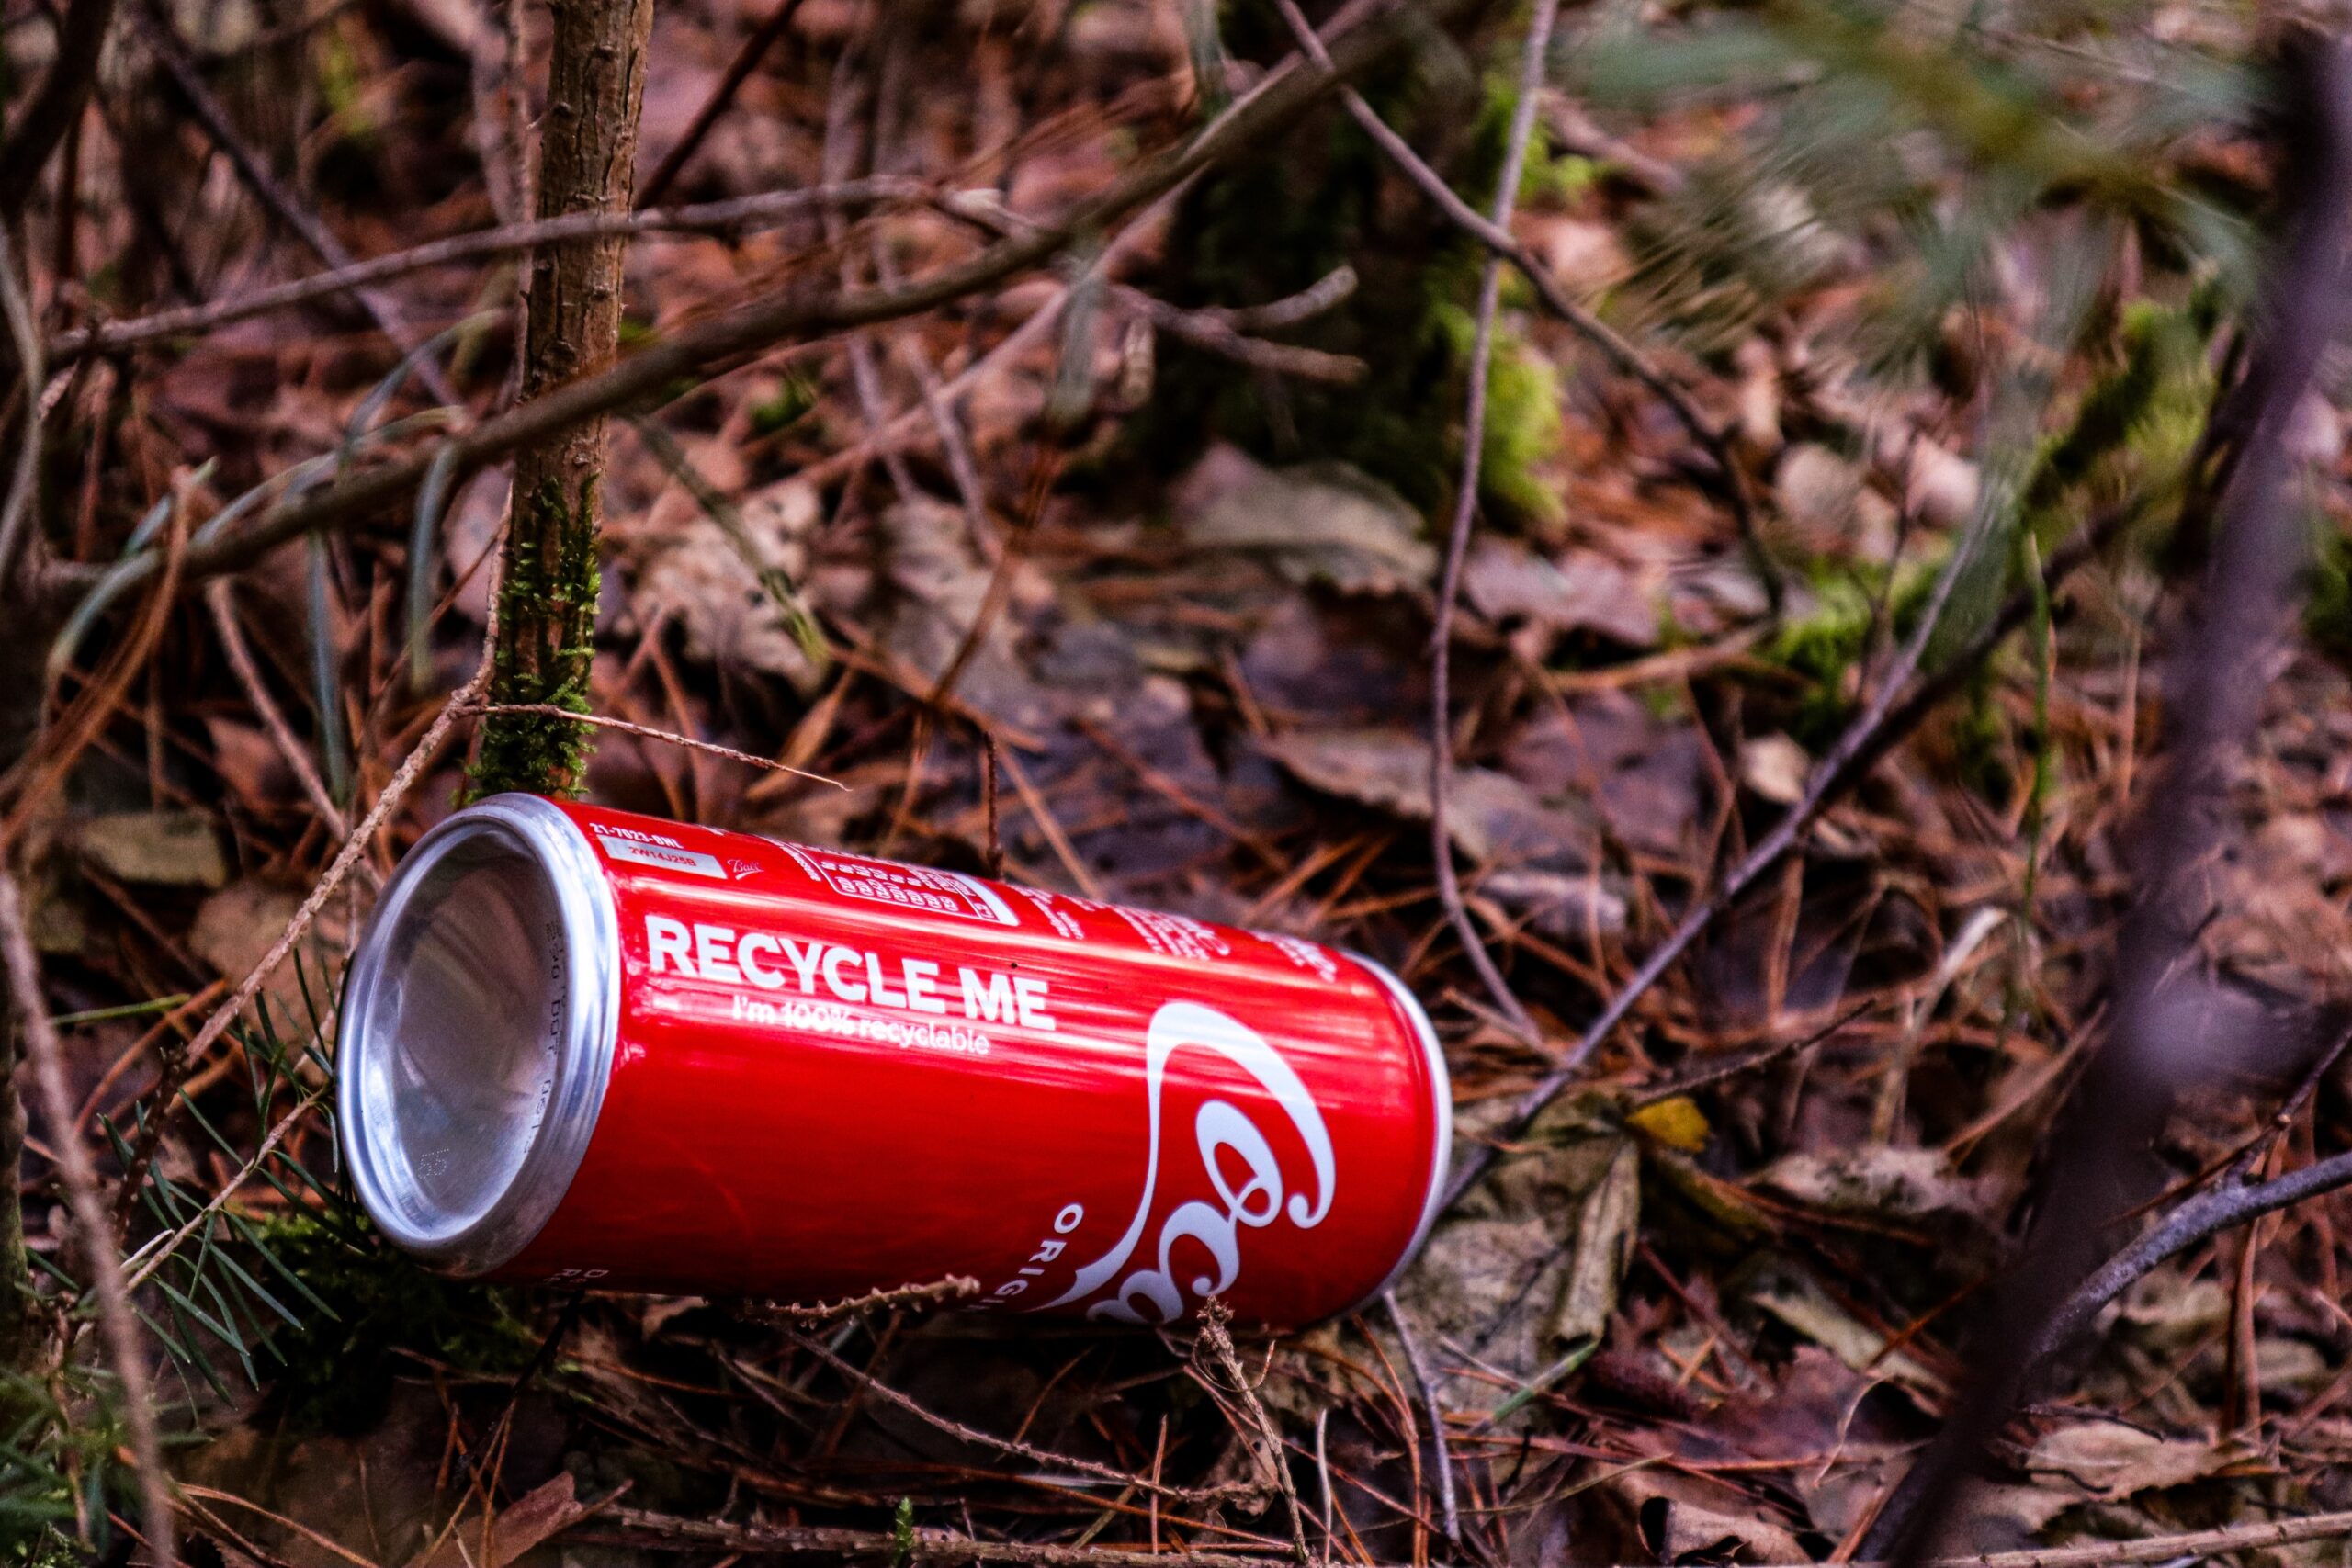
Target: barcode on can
(906, 887)
(692, 862)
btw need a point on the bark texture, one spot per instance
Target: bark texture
(547, 603)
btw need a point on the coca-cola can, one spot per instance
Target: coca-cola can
(591, 1048)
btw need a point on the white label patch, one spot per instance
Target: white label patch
(691, 861)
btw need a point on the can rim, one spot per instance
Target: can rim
(1441, 1105)
(544, 842)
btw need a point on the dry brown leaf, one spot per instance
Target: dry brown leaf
(1504, 580)
(536, 1516)
(1803, 1306)
(163, 849)
(1876, 1180)
(2112, 1460)
(695, 576)
(1318, 523)
(1606, 1230)
(1491, 815)
(1687, 1518)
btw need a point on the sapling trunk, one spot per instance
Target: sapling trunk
(547, 605)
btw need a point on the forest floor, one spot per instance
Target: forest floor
(1716, 1296)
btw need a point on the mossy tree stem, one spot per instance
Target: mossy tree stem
(547, 609)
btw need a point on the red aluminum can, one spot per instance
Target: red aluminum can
(588, 1048)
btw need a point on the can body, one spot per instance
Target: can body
(829, 1074)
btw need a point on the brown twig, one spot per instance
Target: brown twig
(2261, 1535)
(80, 1177)
(153, 1254)
(839, 158)
(702, 349)
(1017, 1449)
(953, 1288)
(1214, 1315)
(81, 41)
(992, 850)
(217, 600)
(2259, 1147)
(669, 737)
(1325, 293)
(1949, 677)
(2202, 1218)
(739, 70)
(1214, 332)
(1762, 1056)
(902, 430)
(971, 490)
(1465, 511)
(662, 1530)
(24, 479)
(46, 766)
(735, 215)
(1449, 1513)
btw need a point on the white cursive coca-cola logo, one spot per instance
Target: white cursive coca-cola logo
(1221, 1129)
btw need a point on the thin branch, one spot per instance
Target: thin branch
(1325, 293)
(157, 1251)
(295, 755)
(670, 736)
(1948, 678)
(2260, 1535)
(739, 70)
(1220, 329)
(80, 1175)
(906, 427)
(81, 41)
(962, 465)
(1449, 1512)
(24, 483)
(468, 697)
(1013, 1446)
(1214, 1315)
(662, 1530)
(700, 351)
(2201, 1218)
(737, 214)
(955, 1286)
(1214, 332)
(839, 157)
(1465, 511)
(177, 1064)
(1762, 1056)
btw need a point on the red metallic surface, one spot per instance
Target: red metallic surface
(836, 1074)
